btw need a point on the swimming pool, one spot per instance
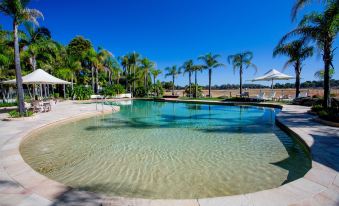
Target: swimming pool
(163, 150)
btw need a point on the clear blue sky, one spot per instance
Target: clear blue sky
(172, 31)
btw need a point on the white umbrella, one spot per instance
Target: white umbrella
(273, 75)
(39, 76)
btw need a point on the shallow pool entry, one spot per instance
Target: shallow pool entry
(170, 151)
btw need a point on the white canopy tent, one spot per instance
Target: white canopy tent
(40, 77)
(273, 75)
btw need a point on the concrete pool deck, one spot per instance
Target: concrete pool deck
(21, 185)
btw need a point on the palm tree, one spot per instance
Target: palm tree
(126, 67)
(320, 74)
(297, 51)
(91, 58)
(299, 4)
(17, 10)
(146, 66)
(134, 59)
(5, 51)
(173, 72)
(104, 62)
(38, 42)
(73, 66)
(155, 73)
(196, 69)
(242, 61)
(322, 29)
(112, 66)
(187, 66)
(210, 62)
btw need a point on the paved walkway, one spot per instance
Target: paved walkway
(21, 185)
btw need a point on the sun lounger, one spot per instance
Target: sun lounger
(303, 95)
(260, 96)
(285, 98)
(244, 94)
(271, 96)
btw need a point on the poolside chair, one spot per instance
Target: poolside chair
(37, 106)
(285, 98)
(271, 96)
(303, 95)
(260, 96)
(244, 94)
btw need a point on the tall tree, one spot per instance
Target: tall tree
(155, 73)
(134, 60)
(321, 28)
(242, 61)
(92, 61)
(124, 61)
(320, 74)
(299, 4)
(196, 69)
(146, 67)
(172, 72)
(18, 11)
(297, 51)
(38, 42)
(187, 66)
(210, 62)
(104, 62)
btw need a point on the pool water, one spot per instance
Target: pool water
(162, 150)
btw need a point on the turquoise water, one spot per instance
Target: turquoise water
(170, 150)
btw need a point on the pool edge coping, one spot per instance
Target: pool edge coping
(287, 192)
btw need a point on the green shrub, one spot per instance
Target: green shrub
(193, 91)
(317, 108)
(16, 114)
(81, 92)
(157, 89)
(56, 95)
(140, 92)
(330, 114)
(112, 90)
(8, 104)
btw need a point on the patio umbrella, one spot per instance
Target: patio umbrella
(273, 75)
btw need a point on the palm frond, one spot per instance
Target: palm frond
(32, 15)
(297, 7)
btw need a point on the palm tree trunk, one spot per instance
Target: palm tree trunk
(93, 87)
(173, 86)
(327, 87)
(154, 79)
(133, 79)
(209, 82)
(72, 80)
(240, 74)
(297, 79)
(190, 82)
(196, 84)
(126, 81)
(34, 62)
(96, 80)
(20, 89)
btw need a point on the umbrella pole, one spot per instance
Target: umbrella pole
(40, 90)
(45, 87)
